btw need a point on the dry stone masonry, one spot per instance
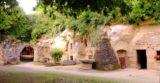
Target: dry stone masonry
(104, 56)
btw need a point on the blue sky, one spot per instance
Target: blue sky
(27, 5)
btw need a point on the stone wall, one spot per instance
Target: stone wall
(147, 38)
(42, 54)
(2, 59)
(133, 38)
(121, 36)
(10, 51)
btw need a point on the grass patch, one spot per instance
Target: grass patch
(24, 77)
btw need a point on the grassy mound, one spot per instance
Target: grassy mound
(19, 77)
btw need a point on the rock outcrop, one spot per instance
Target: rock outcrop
(10, 51)
(42, 54)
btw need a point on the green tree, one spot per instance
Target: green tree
(75, 7)
(56, 54)
(14, 22)
(9, 13)
(144, 10)
(21, 29)
(41, 24)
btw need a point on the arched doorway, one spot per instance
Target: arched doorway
(122, 58)
(27, 54)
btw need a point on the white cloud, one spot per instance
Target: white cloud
(27, 5)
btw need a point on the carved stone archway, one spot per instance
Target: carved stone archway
(27, 54)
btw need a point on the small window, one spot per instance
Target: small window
(71, 45)
(71, 57)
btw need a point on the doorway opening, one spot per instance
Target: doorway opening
(122, 58)
(71, 58)
(27, 54)
(142, 59)
(158, 52)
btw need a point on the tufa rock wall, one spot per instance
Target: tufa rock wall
(2, 59)
(10, 51)
(42, 54)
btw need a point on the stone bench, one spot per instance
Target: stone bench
(27, 56)
(87, 63)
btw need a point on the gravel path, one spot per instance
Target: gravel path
(130, 75)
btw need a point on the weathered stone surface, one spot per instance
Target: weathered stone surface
(146, 38)
(104, 56)
(81, 50)
(67, 62)
(42, 54)
(11, 51)
(87, 61)
(2, 59)
(121, 33)
(132, 38)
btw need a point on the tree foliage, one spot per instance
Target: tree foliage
(9, 13)
(144, 10)
(128, 11)
(15, 23)
(75, 7)
(56, 54)
(82, 16)
(20, 29)
(41, 24)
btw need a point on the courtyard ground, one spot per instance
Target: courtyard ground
(123, 75)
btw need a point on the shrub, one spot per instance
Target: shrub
(56, 54)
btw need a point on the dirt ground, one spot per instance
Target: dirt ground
(130, 75)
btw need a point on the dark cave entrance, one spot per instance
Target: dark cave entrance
(27, 54)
